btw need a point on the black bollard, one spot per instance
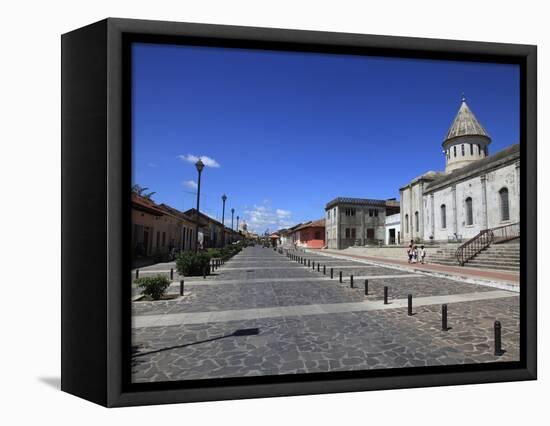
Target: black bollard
(331, 273)
(313, 265)
(324, 269)
(351, 281)
(137, 274)
(340, 276)
(204, 272)
(366, 287)
(171, 273)
(444, 326)
(318, 270)
(181, 287)
(308, 263)
(409, 305)
(498, 339)
(385, 295)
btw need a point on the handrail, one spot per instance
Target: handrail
(484, 239)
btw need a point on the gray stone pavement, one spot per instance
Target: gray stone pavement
(307, 322)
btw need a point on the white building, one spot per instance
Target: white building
(393, 229)
(475, 192)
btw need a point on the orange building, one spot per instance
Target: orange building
(310, 234)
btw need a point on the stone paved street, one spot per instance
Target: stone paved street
(263, 313)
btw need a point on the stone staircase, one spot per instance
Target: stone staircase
(498, 256)
(504, 257)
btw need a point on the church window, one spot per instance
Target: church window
(471, 149)
(407, 223)
(478, 149)
(443, 216)
(469, 212)
(416, 227)
(504, 205)
(454, 150)
(462, 149)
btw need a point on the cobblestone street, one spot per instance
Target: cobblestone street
(263, 313)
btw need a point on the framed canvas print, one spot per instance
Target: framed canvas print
(254, 212)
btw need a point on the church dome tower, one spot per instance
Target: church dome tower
(466, 140)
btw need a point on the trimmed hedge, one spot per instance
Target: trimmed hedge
(154, 286)
(193, 264)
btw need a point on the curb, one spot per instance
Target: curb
(502, 285)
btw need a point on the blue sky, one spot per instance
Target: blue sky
(286, 132)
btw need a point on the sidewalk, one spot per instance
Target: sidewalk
(456, 271)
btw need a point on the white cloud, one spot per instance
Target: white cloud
(282, 213)
(262, 217)
(191, 184)
(208, 162)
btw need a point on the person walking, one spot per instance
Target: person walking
(422, 254)
(410, 252)
(414, 254)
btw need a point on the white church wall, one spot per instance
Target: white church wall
(496, 180)
(469, 188)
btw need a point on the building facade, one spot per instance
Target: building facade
(476, 191)
(310, 234)
(357, 221)
(393, 229)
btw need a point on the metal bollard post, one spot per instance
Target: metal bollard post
(308, 263)
(137, 274)
(318, 266)
(366, 287)
(340, 276)
(171, 273)
(351, 281)
(498, 339)
(181, 287)
(409, 305)
(385, 295)
(313, 265)
(331, 273)
(324, 269)
(204, 272)
(444, 326)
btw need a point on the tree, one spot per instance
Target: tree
(141, 191)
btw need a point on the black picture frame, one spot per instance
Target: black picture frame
(95, 208)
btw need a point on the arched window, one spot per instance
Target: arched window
(407, 223)
(471, 149)
(416, 227)
(462, 149)
(504, 205)
(443, 216)
(469, 212)
(454, 150)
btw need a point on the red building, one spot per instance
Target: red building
(310, 234)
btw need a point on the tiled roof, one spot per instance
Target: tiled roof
(146, 205)
(361, 202)
(465, 124)
(312, 224)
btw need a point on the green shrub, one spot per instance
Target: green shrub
(192, 264)
(153, 286)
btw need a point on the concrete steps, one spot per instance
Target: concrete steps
(505, 257)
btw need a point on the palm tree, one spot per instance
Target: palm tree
(140, 190)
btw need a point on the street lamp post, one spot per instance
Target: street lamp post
(199, 165)
(232, 229)
(238, 225)
(224, 199)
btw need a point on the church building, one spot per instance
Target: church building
(477, 191)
